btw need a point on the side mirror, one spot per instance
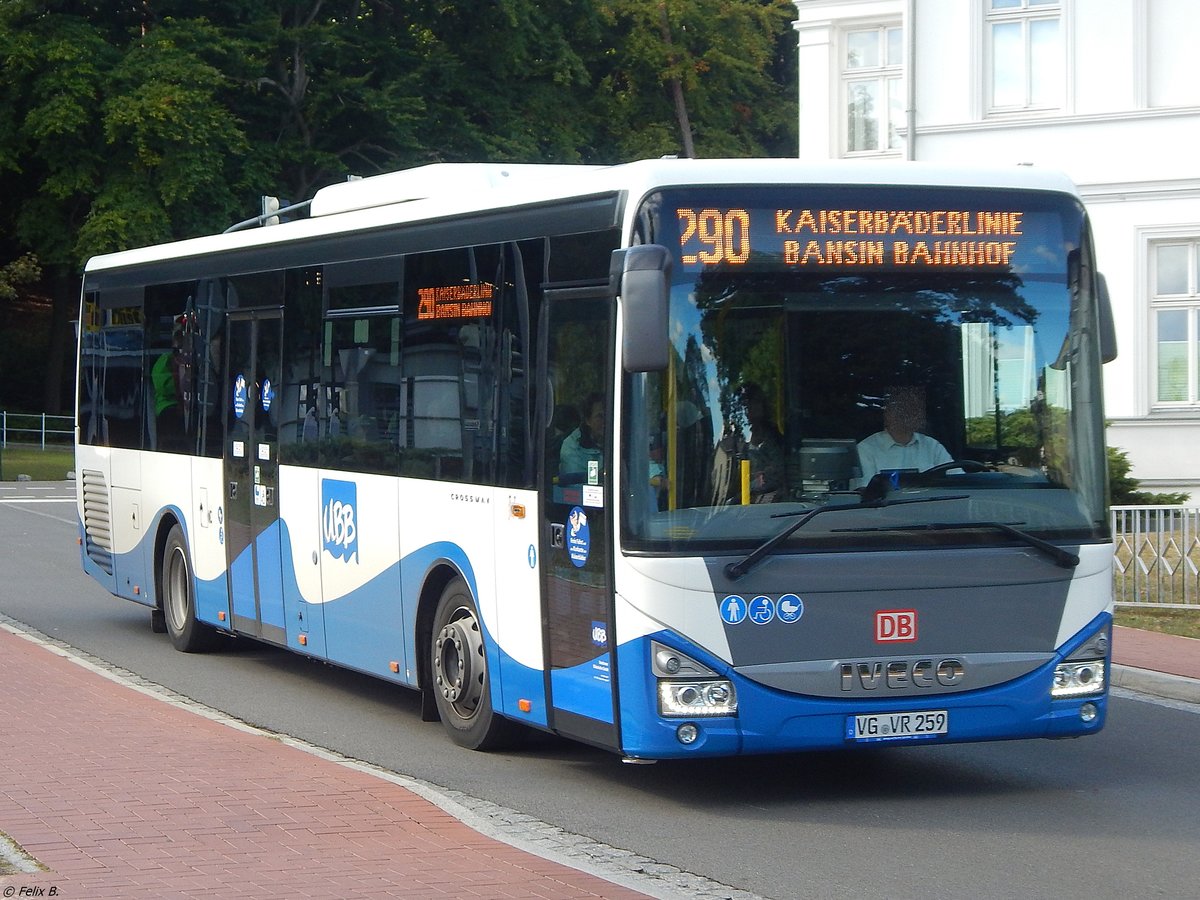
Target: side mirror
(641, 278)
(1108, 328)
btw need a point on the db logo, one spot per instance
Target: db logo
(895, 625)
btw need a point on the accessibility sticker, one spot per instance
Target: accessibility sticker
(733, 609)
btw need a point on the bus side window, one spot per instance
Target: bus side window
(111, 406)
(451, 374)
(170, 343)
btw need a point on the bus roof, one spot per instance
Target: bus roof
(447, 190)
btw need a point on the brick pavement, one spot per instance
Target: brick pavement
(121, 795)
(1149, 650)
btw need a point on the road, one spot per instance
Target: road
(1109, 816)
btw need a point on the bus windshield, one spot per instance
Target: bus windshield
(857, 346)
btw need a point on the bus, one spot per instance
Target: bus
(579, 449)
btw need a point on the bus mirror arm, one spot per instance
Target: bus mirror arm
(641, 277)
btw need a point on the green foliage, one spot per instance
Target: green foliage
(732, 60)
(1123, 486)
(1018, 434)
(51, 464)
(24, 270)
(126, 124)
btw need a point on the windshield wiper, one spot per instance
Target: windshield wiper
(1063, 558)
(736, 570)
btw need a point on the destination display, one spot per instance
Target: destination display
(817, 237)
(455, 301)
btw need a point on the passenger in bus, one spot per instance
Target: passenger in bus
(584, 444)
(310, 428)
(901, 444)
(167, 377)
(764, 449)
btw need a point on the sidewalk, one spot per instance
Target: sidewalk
(1165, 665)
(119, 794)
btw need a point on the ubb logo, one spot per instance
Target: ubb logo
(599, 634)
(339, 518)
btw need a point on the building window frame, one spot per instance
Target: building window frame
(872, 71)
(1173, 264)
(1017, 34)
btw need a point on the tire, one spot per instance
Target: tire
(179, 598)
(459, 675)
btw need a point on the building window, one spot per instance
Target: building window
(1176, 303)
(1025, 40)
(1173, 65)
(873, 84)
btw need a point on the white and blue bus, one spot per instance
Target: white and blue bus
(577, 449)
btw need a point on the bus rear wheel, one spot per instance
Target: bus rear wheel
(461, 681)
(178, 595)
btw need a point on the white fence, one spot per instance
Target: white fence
(1156, 558)
(36, 429)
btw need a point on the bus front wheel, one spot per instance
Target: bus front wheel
(179, 598)
(461, 682)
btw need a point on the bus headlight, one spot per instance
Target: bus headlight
(687, 688)
(696, 698)
(1078, 679)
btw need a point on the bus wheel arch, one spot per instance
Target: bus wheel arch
(158, 622)
(431, 592)
(177, 593)
(457, 675)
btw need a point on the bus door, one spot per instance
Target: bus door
(252, 532)
(576, 350)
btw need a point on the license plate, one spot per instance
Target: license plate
(896, 726)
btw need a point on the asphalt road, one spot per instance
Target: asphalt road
(1109, 816)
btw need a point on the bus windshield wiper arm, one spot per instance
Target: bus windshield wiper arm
(1063, 558)
(736, 570)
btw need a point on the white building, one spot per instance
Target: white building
(1106, 90)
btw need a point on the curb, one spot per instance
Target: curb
(1157, 684)
(622, 868)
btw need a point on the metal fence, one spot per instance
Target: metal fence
(1156, 559)
(36, 429)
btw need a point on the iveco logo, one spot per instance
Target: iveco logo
(900, 674)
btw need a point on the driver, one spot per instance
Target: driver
(901, 445)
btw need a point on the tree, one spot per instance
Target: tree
(701, 77)
(113, 131)
(134, 123)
